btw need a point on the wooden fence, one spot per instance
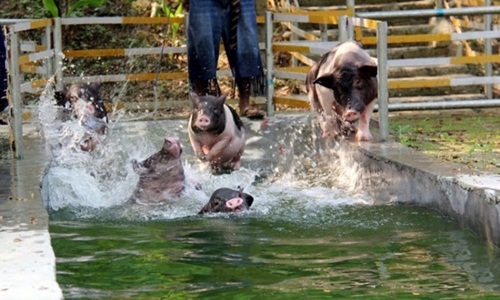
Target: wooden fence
(45, 60)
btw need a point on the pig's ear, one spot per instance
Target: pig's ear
(95, 85)
(248, 199)
(195, 99)
(369, 69)
(90, 107)
(325, 80)
(223, 98)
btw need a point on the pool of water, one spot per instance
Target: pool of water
(372, 252)
(312, 232)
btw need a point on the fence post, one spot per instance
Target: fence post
(48, 44)
(58, 54)
(16, 123)
(488, 68)
(383, 93)
(269, 63)
(350, 27)
(323, 32)
(343, 23)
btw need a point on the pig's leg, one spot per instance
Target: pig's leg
(236, 162)
(363, 133)
(138, 168)
(328, 116)
(89, 144)
(197, 148)
(217, 148)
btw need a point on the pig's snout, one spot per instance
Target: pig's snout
(173, 146)
(234, 203)
(202, 121)
(351, 115)
(176, 150)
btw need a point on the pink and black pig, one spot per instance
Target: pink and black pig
(216, 132)
(161, 175)
(227, 200)
(342, 88)
(82, 102)
(95, 128)
(79, 95)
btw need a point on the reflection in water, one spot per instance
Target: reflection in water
(396, 252)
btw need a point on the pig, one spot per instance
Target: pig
(95, 128)
(342, 87)
(85, 106)
(227, 200)
(216, 132)
(78, 95)
(161, 175)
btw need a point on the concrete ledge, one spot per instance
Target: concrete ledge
(27, 265)
(395, 173)
(27, 260)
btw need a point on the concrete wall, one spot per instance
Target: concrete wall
(395, 173)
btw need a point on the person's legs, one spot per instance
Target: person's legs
(245, 60)
(203, 40)
(3, 74)
(245, 92)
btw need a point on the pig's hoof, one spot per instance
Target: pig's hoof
(253, 113)
(236, 165)
(331, 136)
(363, 136)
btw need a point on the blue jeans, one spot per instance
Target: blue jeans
(3, 73)
(209, 22)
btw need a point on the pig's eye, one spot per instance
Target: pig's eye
(358, 83)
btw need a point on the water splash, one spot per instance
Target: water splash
(306, 178)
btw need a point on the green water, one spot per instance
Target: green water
(353, 251)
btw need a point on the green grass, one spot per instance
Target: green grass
(472, 138)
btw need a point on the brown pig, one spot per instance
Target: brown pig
(161, 175)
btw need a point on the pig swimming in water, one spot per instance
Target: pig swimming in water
(342, 87)
(161, 175)
(216, 132)
(227, 200)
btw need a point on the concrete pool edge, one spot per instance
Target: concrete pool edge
(410, 177)
(27, 259)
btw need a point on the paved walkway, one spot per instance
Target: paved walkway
(27, 260)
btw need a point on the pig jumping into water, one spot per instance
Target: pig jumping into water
(216, 132)
(86, 106)
(227, 200)
(342, 87)
(95, 128)
(79, 95)
(161, 175)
